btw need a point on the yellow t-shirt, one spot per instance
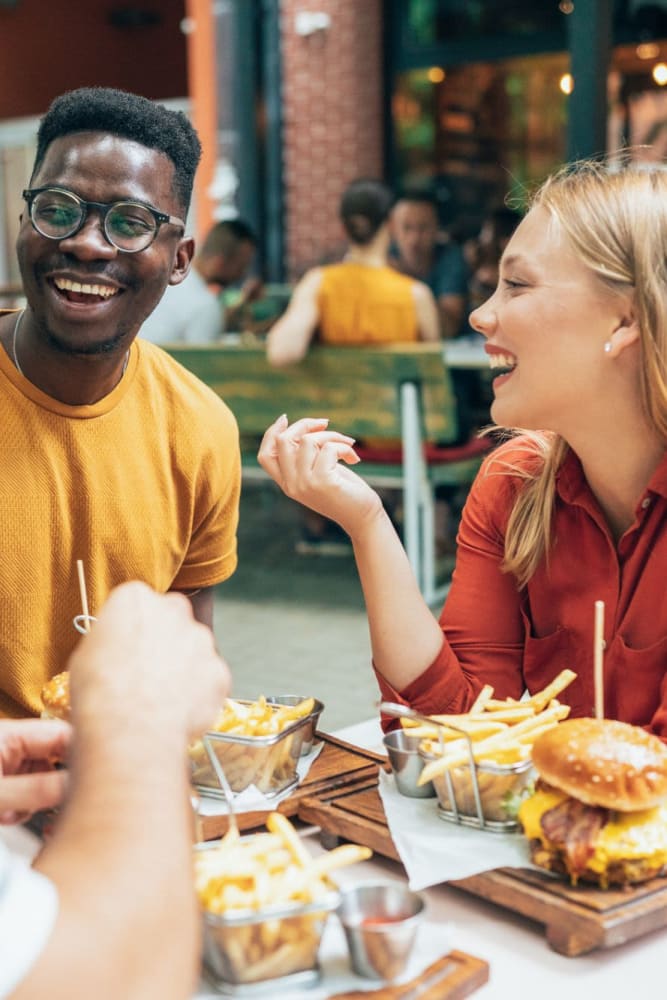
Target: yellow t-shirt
(359, 304)
(143, 484)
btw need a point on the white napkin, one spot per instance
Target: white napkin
(251, 799)
(435, 850)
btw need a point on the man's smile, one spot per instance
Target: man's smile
(79, 291)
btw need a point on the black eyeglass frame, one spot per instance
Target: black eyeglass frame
(161, 218)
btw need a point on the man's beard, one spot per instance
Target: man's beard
(114, 344)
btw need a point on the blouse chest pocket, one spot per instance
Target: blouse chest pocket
(634, 680)
(545, 657)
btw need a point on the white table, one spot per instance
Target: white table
(522, 963)
(466, 352)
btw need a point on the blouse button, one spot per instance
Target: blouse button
(646, 502)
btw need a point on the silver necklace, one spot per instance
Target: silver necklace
(16, 360)
(16, 328)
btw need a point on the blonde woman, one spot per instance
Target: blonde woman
(571, 510)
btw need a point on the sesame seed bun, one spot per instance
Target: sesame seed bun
(604, 763)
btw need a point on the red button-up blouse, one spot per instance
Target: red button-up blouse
(520, 639)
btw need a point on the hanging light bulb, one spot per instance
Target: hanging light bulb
(659, 73)
(566, 83)
(436, 74)
(647, 50)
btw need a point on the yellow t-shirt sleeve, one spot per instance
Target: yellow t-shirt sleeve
(212, 553)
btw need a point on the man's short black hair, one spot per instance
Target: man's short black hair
(130, 116)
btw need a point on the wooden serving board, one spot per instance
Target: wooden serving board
(339, 766)
(354, 813)
(451, 977)
(576, 919)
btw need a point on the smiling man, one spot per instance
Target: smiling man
(112, 453)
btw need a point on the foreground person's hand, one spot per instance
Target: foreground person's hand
(306, 460)
(147, 658)
(29, 751)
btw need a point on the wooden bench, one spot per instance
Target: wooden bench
(389, 394)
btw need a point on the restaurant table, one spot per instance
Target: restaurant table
(466, 353)
(522, 965)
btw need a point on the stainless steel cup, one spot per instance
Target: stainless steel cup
(407, 765)
(380, 921)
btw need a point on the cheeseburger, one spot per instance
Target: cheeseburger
(55, 697)
(599, 810)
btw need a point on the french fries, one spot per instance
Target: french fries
(268, 869)
(499, 736)
(259, 718)
(265, 901)
(254, 744)
(500, 732)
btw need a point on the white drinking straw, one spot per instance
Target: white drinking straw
(598, 653)
(84, 595)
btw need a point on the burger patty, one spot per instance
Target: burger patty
(619, 873)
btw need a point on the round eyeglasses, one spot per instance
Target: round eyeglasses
(129, 226)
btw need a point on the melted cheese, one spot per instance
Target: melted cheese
(630, 837)
(532, 809)
(627, 836)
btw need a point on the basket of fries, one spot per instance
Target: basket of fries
(313, 716)
(483, 795)
(265, 902)
(256, 743)
(480, 762)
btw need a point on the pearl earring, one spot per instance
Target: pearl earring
(607, 347)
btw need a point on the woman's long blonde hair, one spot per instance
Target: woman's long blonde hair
(615, 217)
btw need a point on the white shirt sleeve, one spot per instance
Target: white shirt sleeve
(28, 911)
(188, 313)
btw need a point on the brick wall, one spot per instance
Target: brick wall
(332, 107)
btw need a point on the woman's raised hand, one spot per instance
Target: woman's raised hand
(309, 463)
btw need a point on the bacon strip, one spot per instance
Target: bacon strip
(574, 827)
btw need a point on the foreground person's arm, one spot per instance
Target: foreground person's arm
(144, 681)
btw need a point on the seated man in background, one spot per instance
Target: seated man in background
(420, 254)
(191, 312)
(104, 892)
(104, 434)
(483, 253)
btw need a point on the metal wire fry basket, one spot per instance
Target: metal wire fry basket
(476, 794)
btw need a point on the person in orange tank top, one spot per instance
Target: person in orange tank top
(361, 300)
